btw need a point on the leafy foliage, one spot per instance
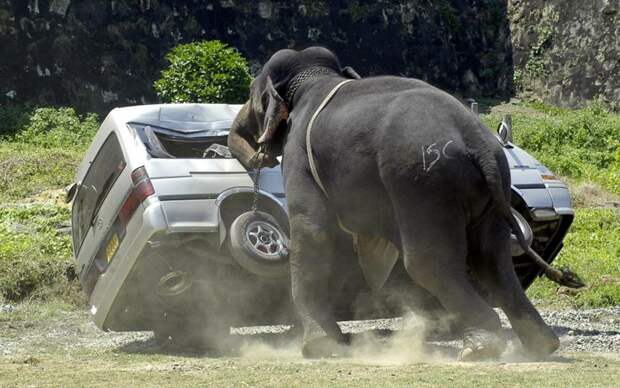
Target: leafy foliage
(13, 117)
(207, 72)
(59, 127)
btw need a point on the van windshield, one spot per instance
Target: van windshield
(101, 175)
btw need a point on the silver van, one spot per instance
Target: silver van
(153, 203)
(163, 241)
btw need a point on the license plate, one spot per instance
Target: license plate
(111, 248)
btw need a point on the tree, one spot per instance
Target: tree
(207, 72)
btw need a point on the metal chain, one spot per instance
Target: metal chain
(256, 180)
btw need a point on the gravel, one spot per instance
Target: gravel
(596, 330)
(592, 331)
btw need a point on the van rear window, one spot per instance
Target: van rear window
(92, 191)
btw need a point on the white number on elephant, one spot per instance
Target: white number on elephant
(435, 155)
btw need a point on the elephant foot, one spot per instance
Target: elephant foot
(541, 344)
(323, 347)
(481, 344)
(317, 344)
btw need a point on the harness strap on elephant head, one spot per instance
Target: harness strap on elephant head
(302, 77)
(311, 160)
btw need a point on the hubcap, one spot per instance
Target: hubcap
(265, 239)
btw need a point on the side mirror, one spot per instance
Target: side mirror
(504, 130)
(473, 105)
(71, 190)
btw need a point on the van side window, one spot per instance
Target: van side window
(92, 191)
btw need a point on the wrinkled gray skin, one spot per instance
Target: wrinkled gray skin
(402, 160)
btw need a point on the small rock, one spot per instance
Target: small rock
(567, 291)
(7, 308)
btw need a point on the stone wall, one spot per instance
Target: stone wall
(98, 54)
(567, 52)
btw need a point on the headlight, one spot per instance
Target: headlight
(544, 214)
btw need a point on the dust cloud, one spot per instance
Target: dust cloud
(407, 343)
(405, 346)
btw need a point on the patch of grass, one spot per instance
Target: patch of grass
(592, 250)
(582, 144)
(34, 311)
(28, 169)
(35, 254)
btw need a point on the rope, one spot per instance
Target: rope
(313, 170)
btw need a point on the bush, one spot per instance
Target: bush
(35, 258)
(59, 127)
(207, 72)
(13, 117)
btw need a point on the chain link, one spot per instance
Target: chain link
(256, 179)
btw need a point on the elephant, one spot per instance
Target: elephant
(400, 161)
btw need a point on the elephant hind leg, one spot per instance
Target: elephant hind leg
(495, 270)
(435, 252)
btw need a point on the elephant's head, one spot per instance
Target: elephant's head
(257, 134)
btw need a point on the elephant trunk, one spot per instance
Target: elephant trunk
(241, 143)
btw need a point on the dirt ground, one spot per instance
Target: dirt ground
(44, 346)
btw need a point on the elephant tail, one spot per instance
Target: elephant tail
(491, 166)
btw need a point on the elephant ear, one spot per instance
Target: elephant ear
(275, 114)
(349, 72)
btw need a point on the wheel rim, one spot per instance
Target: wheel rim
(265, 239)
(174, 283)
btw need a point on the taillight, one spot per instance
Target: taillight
(142, 189)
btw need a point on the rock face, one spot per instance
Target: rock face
(98, 54)
(567, 52)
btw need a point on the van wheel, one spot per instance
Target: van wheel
(259, 245)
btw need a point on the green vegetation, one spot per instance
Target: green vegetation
(59, 128)
(29, 170)
(208, 72)
(582, 144)
(13, 117)
(44, 151)
(537, 65)
(37, 160)
(591, 249)
(35, 255)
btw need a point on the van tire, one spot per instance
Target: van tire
(259, 245)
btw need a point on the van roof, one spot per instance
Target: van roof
(185, 118)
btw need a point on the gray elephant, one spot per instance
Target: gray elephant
(407, 171)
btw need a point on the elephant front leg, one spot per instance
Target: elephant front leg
(312, 255)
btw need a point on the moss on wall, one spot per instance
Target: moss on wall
(566, 52)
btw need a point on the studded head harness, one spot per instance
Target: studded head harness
(302, 77)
